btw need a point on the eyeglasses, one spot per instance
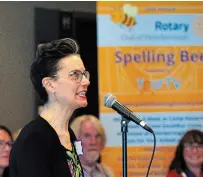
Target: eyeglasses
(77, 75)
(192, 145)
(4, 143)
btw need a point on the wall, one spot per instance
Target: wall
(16, 55)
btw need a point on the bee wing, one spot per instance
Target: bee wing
(130, 10)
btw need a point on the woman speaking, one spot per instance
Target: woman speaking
(47, 147)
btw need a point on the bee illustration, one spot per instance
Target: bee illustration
(126, 16)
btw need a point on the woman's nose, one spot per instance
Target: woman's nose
(194, 149)
(85, 81)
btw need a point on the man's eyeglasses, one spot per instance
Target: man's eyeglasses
(193, 145)
(4, 143)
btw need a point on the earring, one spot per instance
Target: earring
(54, 95)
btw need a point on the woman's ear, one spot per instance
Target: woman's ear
(48, 84)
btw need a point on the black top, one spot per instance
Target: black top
(5, 173)
(37, 152)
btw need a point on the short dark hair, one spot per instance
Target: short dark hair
(46, 62)
(178, 162)
(6, 129)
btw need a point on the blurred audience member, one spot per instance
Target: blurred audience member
(188, 160)
(90, 131)
(5, 147)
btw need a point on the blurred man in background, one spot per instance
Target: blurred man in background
(90, 131)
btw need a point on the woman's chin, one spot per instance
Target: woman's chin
(4, 164)
(82, 104)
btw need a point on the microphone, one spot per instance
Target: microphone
(111, 102)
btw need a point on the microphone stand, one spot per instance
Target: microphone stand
(124, 130)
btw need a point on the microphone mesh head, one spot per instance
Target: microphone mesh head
(108, 100)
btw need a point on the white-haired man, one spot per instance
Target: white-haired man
(90, 131)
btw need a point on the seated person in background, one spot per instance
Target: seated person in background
(188, 160)
(6, 142)
(90, 131)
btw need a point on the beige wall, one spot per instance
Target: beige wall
(16, 55)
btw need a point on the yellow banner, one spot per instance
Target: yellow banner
(171, 76)
(150, 56)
